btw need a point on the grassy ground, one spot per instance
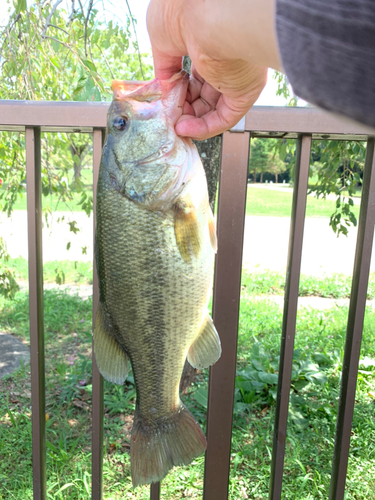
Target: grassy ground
(70, 271)
(257, 283)
(314, 397)
(53, 202)
(269, 202)
(259, 202)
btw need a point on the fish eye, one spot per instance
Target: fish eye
(120, 122)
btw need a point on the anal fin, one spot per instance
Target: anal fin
(206, 349)
(111, 359)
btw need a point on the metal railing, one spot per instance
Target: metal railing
(304, 124)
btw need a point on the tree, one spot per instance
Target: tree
(47, 53)
(259, 156)
(264, 158)
(339, 172)
(276, 166)
(341, 165)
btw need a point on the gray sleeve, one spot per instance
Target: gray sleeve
(327, 50)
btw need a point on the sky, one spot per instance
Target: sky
(117, 9)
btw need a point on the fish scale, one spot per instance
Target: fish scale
(154, 248)
(151, 292)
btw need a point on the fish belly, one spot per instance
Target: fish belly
(155, 303)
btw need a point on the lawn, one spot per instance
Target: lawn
(314, 397)
(260, 201)
(53, 202)
(269, 202)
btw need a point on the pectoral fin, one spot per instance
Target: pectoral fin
(212, 230)
(206, 349)
(187, 229)
(111, 359)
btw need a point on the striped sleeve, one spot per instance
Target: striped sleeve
(327, 49)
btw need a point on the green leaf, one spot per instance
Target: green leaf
(67, 485)
(268, 378)
(73, 227)
(257, 365)
(21, 6)
(320, 377)
(90, 65)
(282, 153)
(300, 384)
(55, 45)
(201, 396)
(240, 407)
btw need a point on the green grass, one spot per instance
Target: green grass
(70, 272)
(314, 397)
(273, 203)
(260, 201)
(53, 202)
(335, 286)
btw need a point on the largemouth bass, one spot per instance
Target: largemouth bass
(155, 245)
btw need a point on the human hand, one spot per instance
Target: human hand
(224, 84)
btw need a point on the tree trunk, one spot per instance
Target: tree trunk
(261, 177)
(276, 177)
(255, 177)
(209, 150)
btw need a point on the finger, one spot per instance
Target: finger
(187, 109)
(165, 66)
(227, 114)
(203, 98)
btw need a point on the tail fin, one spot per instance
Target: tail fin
(157, 446)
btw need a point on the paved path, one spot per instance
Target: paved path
(56, 236)
(12, 353)
(265, 242)
(85, 291)
(265, 247)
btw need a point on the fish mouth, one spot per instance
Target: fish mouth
(171, 93)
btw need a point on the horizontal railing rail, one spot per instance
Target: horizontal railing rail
(304, 124)
(260, 120)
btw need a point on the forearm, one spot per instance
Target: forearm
(328, 52)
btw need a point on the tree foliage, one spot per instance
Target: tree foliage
(48, 53)
(337, 167)
(338, 170)
(8, 284)
(265, 158)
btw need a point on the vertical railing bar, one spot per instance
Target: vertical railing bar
(97, 379)
(290, 312)
(34, 224)
(354, 327)
(230, 228)
(155, 491)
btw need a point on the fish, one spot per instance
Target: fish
(155, 245)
